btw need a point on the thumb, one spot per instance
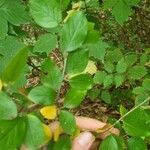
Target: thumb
(83, 141)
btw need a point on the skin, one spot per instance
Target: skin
(86, 140)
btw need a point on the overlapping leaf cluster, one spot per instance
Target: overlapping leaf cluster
(90, 68)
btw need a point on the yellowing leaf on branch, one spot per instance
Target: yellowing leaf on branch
(57, 133)
(48, 132)
(49, 112)
(91, 68)
(69, 14)
(1, 84)
(75, 7)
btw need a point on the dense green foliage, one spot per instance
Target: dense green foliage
(91, 62)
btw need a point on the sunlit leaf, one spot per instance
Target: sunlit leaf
(91, 68)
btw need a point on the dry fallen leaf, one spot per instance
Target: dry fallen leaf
(49, 112)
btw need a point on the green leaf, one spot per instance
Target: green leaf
(109, 67)
(19, 83)
(140, 98)
(99, 77)
(136, 143)
(93, 94)
(46, 43)
(74, 65)
(108, 80)
(143, 59)
(67, 122)
(15, 66)
(45, 13)
(52, 75)
(8, 109)
(114, 56)
(133, 2)
(42, 95)
(63, 4)
(14, 12)
(138, 90)
(121, 66)
(110, 3)
(137, 72)
(92, 4)
(146, 84)
(112, 142)
(81, 82)
(3, 27)
(74, 97)
(9, 51)
(98, 50)
(106, 97)
(130, 59)
(121, 12)
(35, 135)
(92, 37)
(2, 2)
(136, 123)
(119, 79)
(122, 110)
(63, 143)
(74, 32)
(12, 133)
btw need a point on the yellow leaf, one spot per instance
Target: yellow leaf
(77, 6)
(49, 112)
(1, 84)
(91, 68)
(48, 132)
(57, 133)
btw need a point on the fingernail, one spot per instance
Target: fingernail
(85, 139)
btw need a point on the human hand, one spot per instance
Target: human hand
(86, 140)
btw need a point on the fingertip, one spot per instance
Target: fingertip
(83, 141)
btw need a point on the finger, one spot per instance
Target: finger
(85, 123)
(83, 141)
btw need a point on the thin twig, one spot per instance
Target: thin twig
(63, 75)
(133, 109)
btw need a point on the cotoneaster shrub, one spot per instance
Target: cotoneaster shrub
(68, 49)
